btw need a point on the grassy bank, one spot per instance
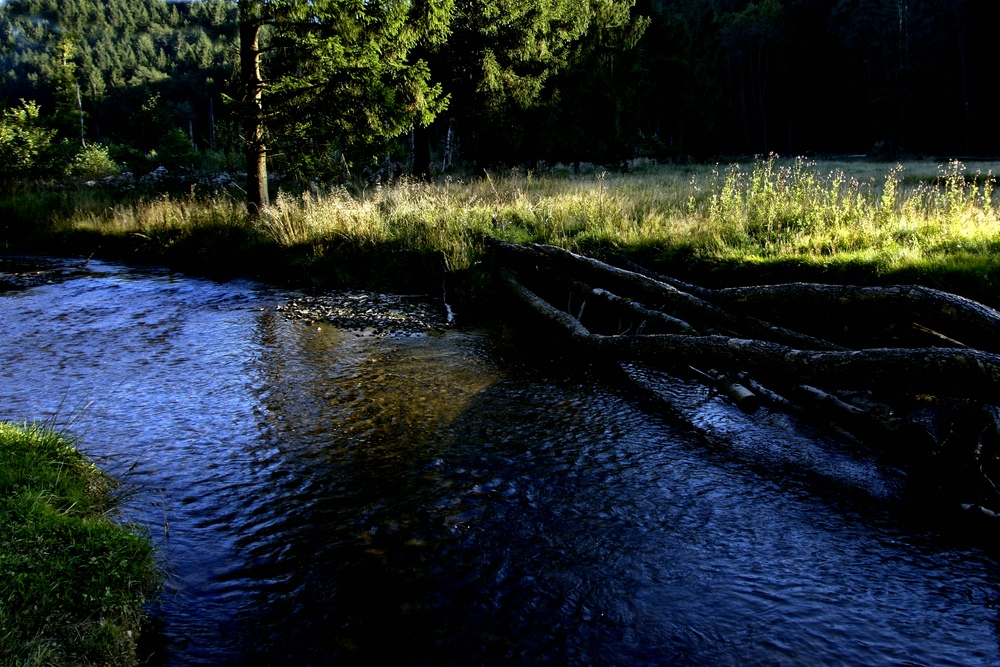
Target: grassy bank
(919, 222)
(72, 580)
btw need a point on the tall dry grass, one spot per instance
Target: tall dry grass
(888, 215)
(776, 209)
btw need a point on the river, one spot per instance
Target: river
(324, 497)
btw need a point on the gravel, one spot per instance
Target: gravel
(383, 315)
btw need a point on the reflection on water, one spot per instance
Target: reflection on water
(322, 497)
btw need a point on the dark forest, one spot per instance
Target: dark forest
(158, 83)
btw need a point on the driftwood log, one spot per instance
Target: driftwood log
(712, 319)
(957, 372)
(908, 367)
(919, 313)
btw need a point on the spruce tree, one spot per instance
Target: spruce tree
(500, 59)
(320, 76)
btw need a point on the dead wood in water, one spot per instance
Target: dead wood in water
(947, 319)
(875, 361)
(957, 372)
(929, 316)
(654, 294)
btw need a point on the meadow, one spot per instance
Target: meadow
(919, 221)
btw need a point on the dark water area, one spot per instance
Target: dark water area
(322, 497)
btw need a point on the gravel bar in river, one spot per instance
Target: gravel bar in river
(382, 315)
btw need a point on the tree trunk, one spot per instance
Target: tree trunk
(962, 373)
(951, 317)
(79, 106)
(946, 319)
(763, 61)
(964, 76)
(702, 315)
(211, 123)
(446, 157)
(253, 121)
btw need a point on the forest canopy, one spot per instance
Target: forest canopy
(424, 85)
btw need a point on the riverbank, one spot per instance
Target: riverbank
(769, 221)
(73, 581)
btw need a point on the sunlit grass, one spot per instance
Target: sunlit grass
(795, 210)
(884, 216)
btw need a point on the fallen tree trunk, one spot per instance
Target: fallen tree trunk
(636, 315)
(953, 317)
(933, 405)
(701, 314)
(961, 372)
(946, 319)
(651, 319)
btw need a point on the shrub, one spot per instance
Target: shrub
(91, 163)
(25, 143)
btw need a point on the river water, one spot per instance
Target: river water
(323, 497)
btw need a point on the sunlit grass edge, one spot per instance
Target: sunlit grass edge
(886, 217)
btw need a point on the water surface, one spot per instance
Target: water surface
(324, 497)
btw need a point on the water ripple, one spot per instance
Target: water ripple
(322, 497)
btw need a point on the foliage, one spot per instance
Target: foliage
(25, 143)
(592, 115)
(512, 81)
(72, 581)
(885, 77)
(132, 70)
(93, 162)
(790, 209)
(928, 221)
(501, 62)
(342, 77)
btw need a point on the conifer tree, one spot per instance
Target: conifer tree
(102, 61)
(333, 75)
(500, 58)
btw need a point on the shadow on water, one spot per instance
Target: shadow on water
(477, 512)
(322, 497)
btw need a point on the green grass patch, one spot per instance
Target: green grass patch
(73, 581)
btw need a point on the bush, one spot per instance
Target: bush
(25, 143)
(91, 163)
